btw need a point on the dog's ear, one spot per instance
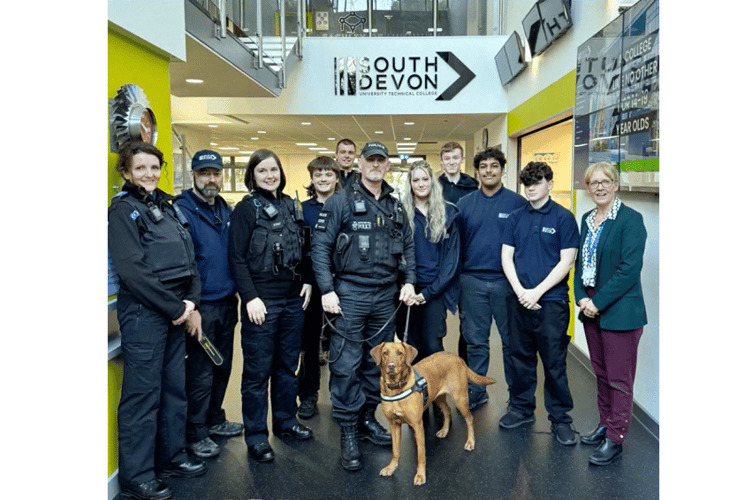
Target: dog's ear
(376, 353)
(412, 353)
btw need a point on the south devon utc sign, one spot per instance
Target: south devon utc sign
(405, 75)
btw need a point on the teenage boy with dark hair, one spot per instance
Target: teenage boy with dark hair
(324, 173)
(539, 249)
(483, 287)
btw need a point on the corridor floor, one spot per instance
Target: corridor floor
(524, 463)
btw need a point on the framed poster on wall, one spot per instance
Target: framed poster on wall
(616, 112)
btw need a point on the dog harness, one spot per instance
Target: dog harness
(419, 386)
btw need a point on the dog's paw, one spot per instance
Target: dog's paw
(470, 446)
(388, 470)
(442, 433)
(419, 479)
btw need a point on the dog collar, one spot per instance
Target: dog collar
(419, 386)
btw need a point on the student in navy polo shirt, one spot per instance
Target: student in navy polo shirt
(539, 249)
(324, 173)
(483, 286)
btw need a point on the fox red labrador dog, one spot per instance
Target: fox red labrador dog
(406, 391)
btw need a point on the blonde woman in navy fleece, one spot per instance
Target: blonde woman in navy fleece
(437, 254)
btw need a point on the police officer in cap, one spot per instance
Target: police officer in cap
(361, 236)
(208, 217)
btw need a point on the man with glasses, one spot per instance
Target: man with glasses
(360, 237)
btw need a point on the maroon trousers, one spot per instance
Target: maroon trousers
(613, 355)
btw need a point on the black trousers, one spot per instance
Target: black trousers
(532, 333)
(427, 326)
(270, 357)
(309, 373)
(366, 321)
(152, 409)
(206, 383)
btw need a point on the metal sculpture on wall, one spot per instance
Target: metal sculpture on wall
(131, 118)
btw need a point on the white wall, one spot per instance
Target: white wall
(160, 24)
(588, 17)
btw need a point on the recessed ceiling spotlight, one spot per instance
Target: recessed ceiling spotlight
(306, 144)
(228, 148)
(317, 149)
(330, 139)
(213, 126)
(254, 138)
(409, 123)
(406, 138)
(212, 144)
(305, 123)
(261, 131)
(193, 80)
(378, 132)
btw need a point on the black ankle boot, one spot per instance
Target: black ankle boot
(351, 457)
(606, 453)
(595, 436)
(370, 428)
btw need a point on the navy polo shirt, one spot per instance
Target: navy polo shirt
(482, 220)
(538, 236)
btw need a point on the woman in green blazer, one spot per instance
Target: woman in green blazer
(608, 291)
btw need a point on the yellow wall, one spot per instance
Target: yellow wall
(130, 62)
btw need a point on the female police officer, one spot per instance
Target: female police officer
(266, 240)
(152, 254)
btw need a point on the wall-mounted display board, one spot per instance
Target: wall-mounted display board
(616, 115)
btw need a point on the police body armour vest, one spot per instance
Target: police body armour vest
(168, 248)
(373, 236)
(277, 240)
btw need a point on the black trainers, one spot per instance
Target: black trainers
(513, 419)
(205, 448)
(351, 458)
(564, 433)
(477, 400)
(369, 428)
(227, 428)
(307, 408)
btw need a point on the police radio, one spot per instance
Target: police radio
(277, 249)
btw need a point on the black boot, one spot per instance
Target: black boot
(351, 457)
(605, 453)
(595, 436)
(370, 428)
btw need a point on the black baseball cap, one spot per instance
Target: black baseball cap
(374, 148)
(206, 159)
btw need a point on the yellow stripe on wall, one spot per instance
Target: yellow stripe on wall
(131, 62)
(557, 97)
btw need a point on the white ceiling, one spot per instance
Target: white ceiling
(283, 132)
